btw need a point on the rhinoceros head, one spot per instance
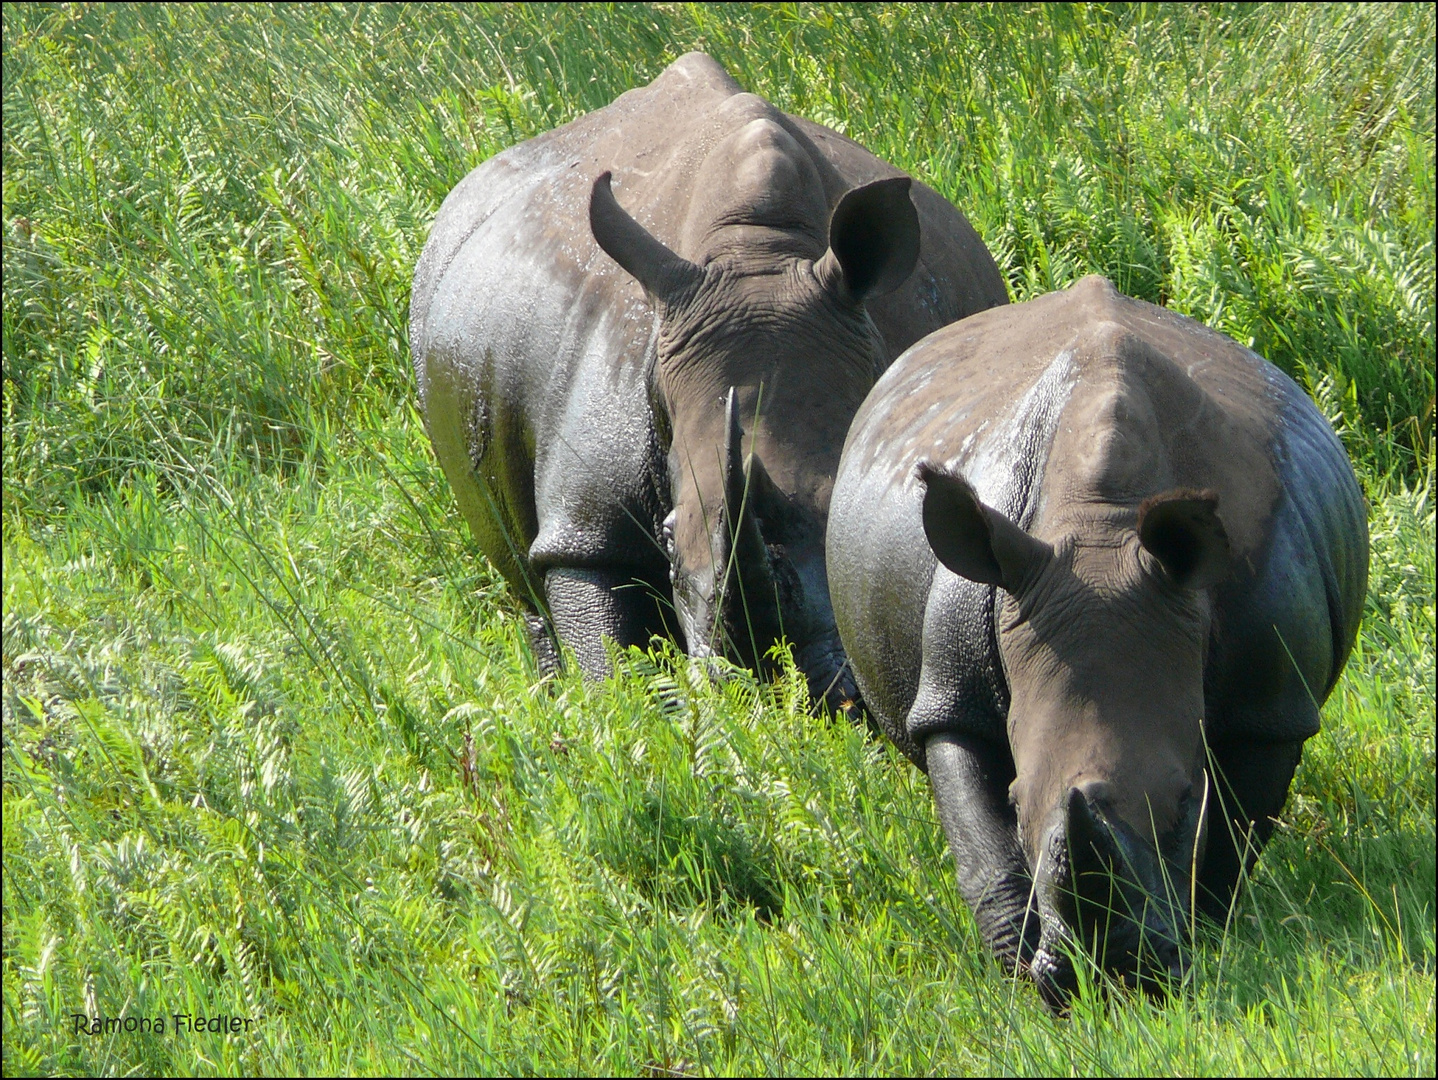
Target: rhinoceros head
(1102, 635)
(763, 358)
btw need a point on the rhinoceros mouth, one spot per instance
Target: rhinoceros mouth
(1054, 970)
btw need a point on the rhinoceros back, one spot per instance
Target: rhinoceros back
(987, 398)
(533, 350)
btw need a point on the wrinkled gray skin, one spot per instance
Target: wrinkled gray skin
(640, 339)
(1070, 542)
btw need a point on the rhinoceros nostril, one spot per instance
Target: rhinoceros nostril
(1094, 792)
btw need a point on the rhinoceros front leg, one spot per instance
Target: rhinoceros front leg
(970, 779)
(588, 605)
(1252, 786)
(542, 643)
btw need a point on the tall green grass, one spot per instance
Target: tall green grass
(274, 745)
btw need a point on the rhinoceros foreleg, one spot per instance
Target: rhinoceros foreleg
(1252, 786)
(970, 779)
(542, 643)
(589, 605)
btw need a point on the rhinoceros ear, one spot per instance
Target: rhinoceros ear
(1182, 530)
(873, 240)
(973, 540)
(665, 276)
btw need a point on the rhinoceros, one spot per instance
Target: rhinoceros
(639, 340)
(1096, 567)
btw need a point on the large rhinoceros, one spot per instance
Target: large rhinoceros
(594, 387)
(1096, 567)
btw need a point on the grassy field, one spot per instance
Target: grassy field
(274, 744)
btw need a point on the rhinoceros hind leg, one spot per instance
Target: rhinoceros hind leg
(589, 605)
(1252, 786)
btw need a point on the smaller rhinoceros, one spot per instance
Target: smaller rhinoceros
(1096, 567)
(639, 341)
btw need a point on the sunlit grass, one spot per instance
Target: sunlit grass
(274, 743)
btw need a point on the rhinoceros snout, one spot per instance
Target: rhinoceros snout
(1106, 899)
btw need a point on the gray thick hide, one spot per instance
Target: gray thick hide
(988, 398)
(535, 352)
(1084, 788)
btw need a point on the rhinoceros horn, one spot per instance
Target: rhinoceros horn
(748, 603)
